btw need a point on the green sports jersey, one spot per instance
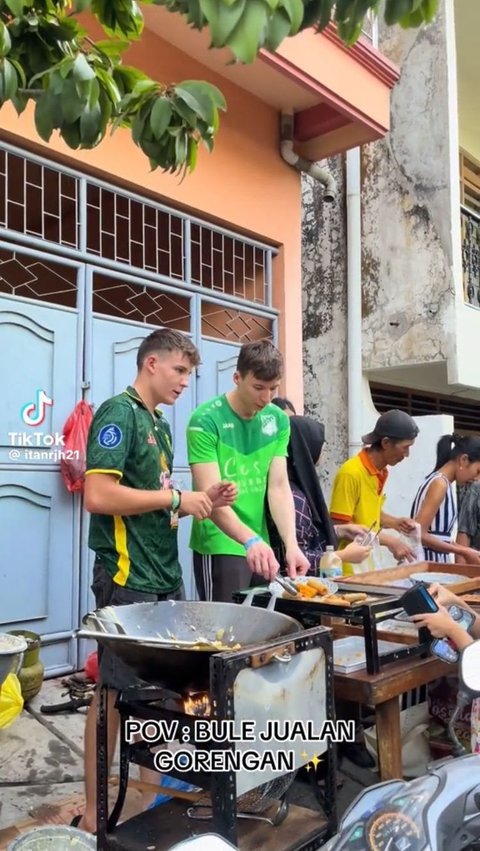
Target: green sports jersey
(244, 450)
(139, 551)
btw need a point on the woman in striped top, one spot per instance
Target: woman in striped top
(434, 507)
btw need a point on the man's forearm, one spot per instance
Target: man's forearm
(114, 498)
(226, 520)
(282, 509)
(388, 521)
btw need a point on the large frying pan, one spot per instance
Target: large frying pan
(160, 640)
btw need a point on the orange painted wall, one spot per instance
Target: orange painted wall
(244, 184)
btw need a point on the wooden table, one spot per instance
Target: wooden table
(383, 691)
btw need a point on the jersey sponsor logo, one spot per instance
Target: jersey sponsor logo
(110, 436)
(269, 424)
(228, 425)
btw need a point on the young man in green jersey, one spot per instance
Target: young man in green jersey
(241, 437)
(133, 528)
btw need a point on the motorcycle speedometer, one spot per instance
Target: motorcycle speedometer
(390, 830)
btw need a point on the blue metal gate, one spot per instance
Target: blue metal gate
(86, 271)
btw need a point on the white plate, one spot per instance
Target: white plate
(441, 578)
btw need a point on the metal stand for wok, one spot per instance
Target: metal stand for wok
(163, 826)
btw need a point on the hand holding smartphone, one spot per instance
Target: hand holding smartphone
(418, 601)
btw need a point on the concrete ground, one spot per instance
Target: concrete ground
(41, 767)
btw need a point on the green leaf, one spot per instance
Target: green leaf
(16, 7)
(429, 9)
(72, 105)
(192, 153)
(66, 67)
(249, 34)
(189, 116)
(70, 133)
(8, 80)
(21, 73)
(5, 40)
(160, 116)
(20, 102)
(45, 109)
(112, 47)
(82, 70)
(181, 148)
(197, 99)
(278, 29)
(222, 19)
(109, 85)
(90, 122)
(294, 10)
(81, 5)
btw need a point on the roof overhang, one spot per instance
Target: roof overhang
(340, 95)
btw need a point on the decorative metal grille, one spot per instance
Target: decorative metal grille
(471, 256)
(140, 303)
(42, 280)
(238, 326)
(227, 264)
(38, 200)
(57, 205)
(134, 232)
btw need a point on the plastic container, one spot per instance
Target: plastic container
(349, 653)
(12, 648)
(54, 838)
(330, 564)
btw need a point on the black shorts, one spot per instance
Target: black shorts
(113, 672)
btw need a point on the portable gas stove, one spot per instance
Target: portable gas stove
(239, 738)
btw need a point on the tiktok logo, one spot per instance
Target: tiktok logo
(34, 413)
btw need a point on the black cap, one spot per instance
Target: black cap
(394, 424)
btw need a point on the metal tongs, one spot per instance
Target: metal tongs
(288, 585)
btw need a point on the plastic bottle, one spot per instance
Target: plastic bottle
(330, 564)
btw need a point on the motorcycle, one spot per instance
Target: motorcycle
(437, 812)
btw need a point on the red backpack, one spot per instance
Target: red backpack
(74, 458)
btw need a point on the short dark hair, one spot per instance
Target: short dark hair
(167, 340)
(284, 404)
(261, 358)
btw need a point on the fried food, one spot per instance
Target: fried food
(319, 586)
(355, 597)
(306, 590)
(336, 600)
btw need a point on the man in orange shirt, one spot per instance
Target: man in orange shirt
(358, 489)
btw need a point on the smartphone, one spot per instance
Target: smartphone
(443, 647)
(418, 601)
(445, 650)
(462, 616)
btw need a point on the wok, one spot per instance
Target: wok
(148, 636)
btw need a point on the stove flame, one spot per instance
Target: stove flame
(197, 703)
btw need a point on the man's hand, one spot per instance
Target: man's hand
(350, 531)
(197, 503)
(222, 494)
(443, 596)
(405, 525)
(439, 624)
(355, 553)
(296, 563)
(261, 560)
(399, 550)
(471, 556)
